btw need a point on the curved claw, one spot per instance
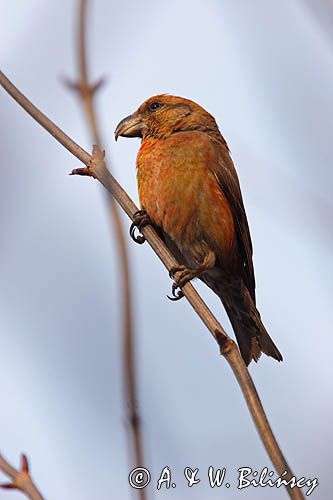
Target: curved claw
(137, 238)
(140, 220)
(177, 294)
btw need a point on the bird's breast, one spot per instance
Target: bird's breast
(181, 194)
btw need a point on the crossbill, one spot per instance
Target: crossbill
(189, 189)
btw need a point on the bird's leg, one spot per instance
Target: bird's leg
(182, 274)
(140, 220)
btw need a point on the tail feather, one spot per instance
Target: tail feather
(251, 334)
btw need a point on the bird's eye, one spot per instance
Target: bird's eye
(154, 105)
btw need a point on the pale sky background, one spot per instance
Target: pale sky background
(265, 70)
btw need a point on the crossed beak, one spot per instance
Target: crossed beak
(131, 126)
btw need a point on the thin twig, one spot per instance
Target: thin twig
(97, 169)
(21, 479)
(87, 92)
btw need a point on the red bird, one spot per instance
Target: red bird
(189, 189)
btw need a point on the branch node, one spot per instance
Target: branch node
(20, 479)
(134, 421)
(97, 158)
(84, 89)
(225, 343)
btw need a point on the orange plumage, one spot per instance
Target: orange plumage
(189, 188)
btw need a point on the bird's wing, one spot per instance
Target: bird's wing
(227, 178)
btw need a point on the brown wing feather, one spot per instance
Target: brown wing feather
(227, 177)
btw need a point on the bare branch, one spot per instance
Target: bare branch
(227, 346)
(87, 92)
(21, 479)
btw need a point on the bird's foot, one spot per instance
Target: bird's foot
(140, 220)
(181, 275)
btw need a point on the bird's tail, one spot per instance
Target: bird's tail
(251, 334)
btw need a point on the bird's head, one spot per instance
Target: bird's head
(162, 115)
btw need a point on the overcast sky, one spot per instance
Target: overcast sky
(265, 70)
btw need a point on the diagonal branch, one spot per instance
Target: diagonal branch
(227, 346)
(87, 92)
(20, 479)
